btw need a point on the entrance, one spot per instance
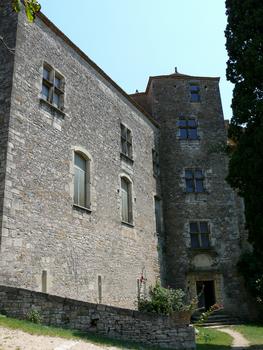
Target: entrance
(206, 294)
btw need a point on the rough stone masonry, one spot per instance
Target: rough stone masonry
(56, 104)
(106, 320)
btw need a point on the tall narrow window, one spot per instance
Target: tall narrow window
(44, 282)
(126, 141)
(187, 128)
(194, 92)
(194, 180)
(200, 233)
(156, 163)
(126, 202)
(100, 289)
(80, 180)
(158, 214)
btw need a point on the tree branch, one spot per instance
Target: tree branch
(7, 47)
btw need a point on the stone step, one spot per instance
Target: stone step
(218, 324)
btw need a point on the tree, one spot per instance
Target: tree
(31, 8)
(244, 34)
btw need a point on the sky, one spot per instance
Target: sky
(134, 39)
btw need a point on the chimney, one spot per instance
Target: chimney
(175, 70)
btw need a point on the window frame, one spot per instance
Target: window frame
(187, 128)
(50, 82)
(156, 163)
(87, 176)
(194, 179)
(199, 234)
(129, 217)
(158, 214)
(127, 141)
(194, 92)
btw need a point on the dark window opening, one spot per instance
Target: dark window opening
(200, 234)
(187, 129)
(195, 93)
(156, 163)
(158, 214)
(194, 181)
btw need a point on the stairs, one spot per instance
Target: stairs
(218, 318)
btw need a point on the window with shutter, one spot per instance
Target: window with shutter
(80, 180)
(126, 202)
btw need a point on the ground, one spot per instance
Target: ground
(17, 340)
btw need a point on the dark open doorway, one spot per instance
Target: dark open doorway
(206, 293)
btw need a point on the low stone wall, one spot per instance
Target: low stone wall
(106, 320)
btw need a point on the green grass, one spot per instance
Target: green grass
(253, 333)
(37, 329)
(211, 339)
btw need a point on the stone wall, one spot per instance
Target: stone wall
(110, 321)
(217, 204)
(8, 26)
(83, 254)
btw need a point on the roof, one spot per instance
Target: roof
(177, 76)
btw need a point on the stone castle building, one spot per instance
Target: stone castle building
(101, 193)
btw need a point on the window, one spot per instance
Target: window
(194, 180)
(194, 92)
(126, 141)
(81, 181)
(199, 232)
(44, 281)
(158, 214)
(52, 87)
(156, 164)
(187, 129)
(126, 201)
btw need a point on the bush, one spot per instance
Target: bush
(34, 316)
(166, 301)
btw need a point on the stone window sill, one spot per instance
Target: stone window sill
(80, 208)
(128, 224)
(190, 140)
(196, 193)
(54, 108)
(126, 158)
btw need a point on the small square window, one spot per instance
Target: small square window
(46, 73)
(187, 128)
(45, 92)
(194, 180)
(57, 82)
(56, 100)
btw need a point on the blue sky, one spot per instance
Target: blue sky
(134, 39)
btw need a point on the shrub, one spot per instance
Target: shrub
(166, 301)
(34, 316)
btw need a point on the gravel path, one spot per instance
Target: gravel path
(18, 340)
(239, 342)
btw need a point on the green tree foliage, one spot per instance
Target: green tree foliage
(244, 34)
(31, 8)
